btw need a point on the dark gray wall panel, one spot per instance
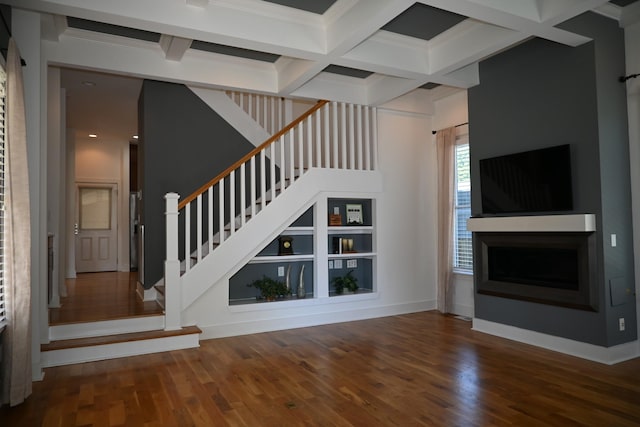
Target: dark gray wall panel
(541, 94)
(183, 145)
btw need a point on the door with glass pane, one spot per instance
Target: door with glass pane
(96, 228)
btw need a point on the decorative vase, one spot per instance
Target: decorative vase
(301, 291)
(287, 279)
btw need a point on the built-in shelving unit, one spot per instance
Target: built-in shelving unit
(351, 245)
(349, 248)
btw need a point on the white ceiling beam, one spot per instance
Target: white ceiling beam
(472, 42)
(385, 88)
(389, 53)
(478, 10)
(223, 22)
(53, 26)
(293, 73)
(334, 87)
(174, 47)
(146, 60)
(360, 22)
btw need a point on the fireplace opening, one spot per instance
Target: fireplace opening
(546, 267)
(549, 268)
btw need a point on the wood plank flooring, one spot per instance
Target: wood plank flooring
(416, 369)
(101, 296)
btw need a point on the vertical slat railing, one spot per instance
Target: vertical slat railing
(352, 139)
(199, 229)
(210, 218)
(263, 180)
(232, 203)
(243, 195)
(334, 134)
(187, 238)
(343, 135)
(374, 140)
(221, 235)
(367, 144)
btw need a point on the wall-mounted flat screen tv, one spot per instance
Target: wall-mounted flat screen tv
(531, 181)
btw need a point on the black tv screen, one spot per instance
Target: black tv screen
(530, 181)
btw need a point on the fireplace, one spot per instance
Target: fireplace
(548, 268)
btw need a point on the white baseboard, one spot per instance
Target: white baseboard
(70, 356)
(106, 327)
(606, 355)
(293, 322)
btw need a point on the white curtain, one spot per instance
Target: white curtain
(16, 360)
(445, 149)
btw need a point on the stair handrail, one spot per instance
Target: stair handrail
(251, 154)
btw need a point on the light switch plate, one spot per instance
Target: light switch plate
(337, 263)
(330, 264)
(281, 271)
(352, 263)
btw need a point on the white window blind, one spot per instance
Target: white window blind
(3, 304)
(462, 259)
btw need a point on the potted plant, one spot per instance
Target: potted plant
(270, 289)
(348, 282)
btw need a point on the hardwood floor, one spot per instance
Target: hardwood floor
(415, 369)
(101, 296)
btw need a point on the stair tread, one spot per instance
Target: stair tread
(160, 289)
(119, 338)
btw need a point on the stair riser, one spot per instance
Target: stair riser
(106, 327)
(71, 356)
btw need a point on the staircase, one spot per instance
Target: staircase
(330, 137)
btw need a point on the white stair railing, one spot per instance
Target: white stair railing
(329, 135)
(268, 111)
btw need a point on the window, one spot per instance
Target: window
(3, 305)
(462, 255)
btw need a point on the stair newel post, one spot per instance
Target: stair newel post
(173, 300)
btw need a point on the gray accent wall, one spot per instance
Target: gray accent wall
(541, 94)
(183, 144)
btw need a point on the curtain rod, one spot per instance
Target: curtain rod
(456, 126)
(6, 26)
(625, 78)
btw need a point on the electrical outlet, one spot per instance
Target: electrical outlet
(352, 263)
(330, 264)
(621, 323)
(337, 263)
(281, 271)
(336, 210)
(614, 241)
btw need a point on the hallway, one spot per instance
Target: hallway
(101, 296)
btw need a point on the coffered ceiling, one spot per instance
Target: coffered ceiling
(361, 51)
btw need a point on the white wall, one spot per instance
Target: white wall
(102, 161)
(632, 41)
(452, 111)
(406, 247)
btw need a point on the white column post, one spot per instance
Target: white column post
(173, 297)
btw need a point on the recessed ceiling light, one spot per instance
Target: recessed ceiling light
(93, 135)
(88, 83)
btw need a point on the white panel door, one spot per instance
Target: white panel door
(96, 228)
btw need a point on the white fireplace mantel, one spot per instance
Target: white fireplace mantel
(534, 223)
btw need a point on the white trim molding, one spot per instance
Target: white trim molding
(596, 353)
(534, 223)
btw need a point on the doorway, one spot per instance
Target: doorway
(96, 227)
